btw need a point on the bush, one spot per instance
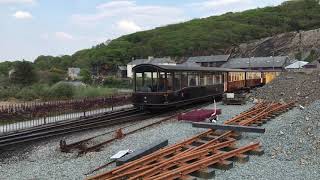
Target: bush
(27, 94)
(82, 92)
(6, 93)
(117, 83)
(61, 91)
(23, 74)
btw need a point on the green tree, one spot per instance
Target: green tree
(86, 76)
(24, 73)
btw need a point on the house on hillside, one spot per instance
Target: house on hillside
(259, 63)
(122, 72)
(313, 65)
(208, 61)
(73, 73)
(150, 60)
(10, 73)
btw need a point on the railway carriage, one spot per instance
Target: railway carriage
(166, 86)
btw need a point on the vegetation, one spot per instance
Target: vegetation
(58, 91)
(23, 73)
(204, 36)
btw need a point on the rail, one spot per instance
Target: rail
(199, 152)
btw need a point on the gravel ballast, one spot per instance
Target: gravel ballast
(291, 145)
(301, 87)
(283, 158)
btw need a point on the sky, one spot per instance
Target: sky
(29, 28)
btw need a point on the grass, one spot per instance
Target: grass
(90, 91)
(55, 92)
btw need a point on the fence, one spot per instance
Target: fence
(24, 115)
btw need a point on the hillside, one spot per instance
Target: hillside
(300, 45)
(212, 35)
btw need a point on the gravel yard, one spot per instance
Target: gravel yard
(292, 148)
(283, 159)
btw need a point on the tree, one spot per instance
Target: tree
(24, 73)
(86, 76)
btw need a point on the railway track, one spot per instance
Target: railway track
(82, 147)
(71, 126)
(199, 154)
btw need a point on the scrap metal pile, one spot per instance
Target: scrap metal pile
(198, 155)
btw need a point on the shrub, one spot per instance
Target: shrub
(61, 91)
(116, 83)
(27, 94)
(89, 91)
(9, 92)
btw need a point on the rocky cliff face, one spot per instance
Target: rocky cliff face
(304, 44)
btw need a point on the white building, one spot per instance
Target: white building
(73, 73)
(150, 60)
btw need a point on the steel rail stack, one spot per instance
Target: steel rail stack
(201, 153)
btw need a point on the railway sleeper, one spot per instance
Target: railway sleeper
(206, 173)
(223, 165)
(241, 158)
(256, 152)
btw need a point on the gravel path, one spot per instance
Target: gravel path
(45, 161)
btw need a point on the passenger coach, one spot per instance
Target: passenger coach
(164, 86)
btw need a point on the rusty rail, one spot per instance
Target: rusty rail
(198, 152)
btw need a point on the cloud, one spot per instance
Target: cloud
(128, 26)
(17, 1)
(129, 16)
(44, 36)
(63, 36)
(217, 7)
(115, 4)
(22, 15)
(217, 3)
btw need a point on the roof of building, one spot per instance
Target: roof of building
(257, 62)
(152, 61)
(296, 65)
(212, 58)
(122, 68)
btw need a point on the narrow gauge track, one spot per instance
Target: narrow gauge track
(77, 125)
(81, 146)
(71, 126)
(211, 148)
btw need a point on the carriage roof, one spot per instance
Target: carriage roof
(173, 68)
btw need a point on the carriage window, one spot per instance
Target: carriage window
(184, 79)
(138, 81)
(169, 82)
(177, 81)
(218, 79)
(202, 83)
(208, 79)
(162, 82)
(193, 79)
